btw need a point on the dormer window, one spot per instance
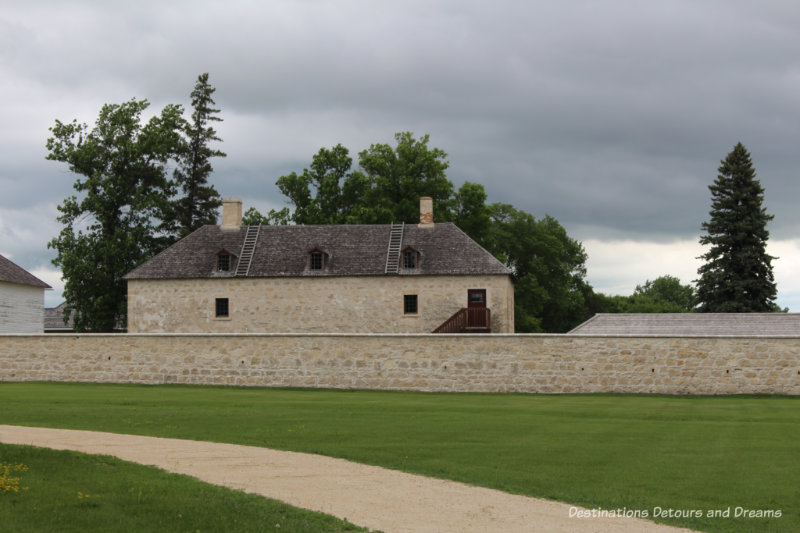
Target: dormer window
(223, 261)
(317, 259)
(410, 258)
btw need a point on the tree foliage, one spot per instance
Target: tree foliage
(636, 304)
(385, 187)
(200, 201)
(127, 208)
(665, 294)
(668, 289)
(252, 217)
(737, 275)
(548, 265)
(471, 214)
(114, 226)
(397, 177)
(318, 193)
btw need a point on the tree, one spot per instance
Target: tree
(548, 265)
(470, 212)
(200, 201)
(125, 195)
(318, 193)
(668, 289)
(394, 179)
(737, 276)
(635, 304)
(665, 294)
(252, 217)
(385, 188)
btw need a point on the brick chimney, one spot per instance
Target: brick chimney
(231, 213)
(426, 212)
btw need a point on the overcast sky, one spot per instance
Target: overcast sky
(611, 116)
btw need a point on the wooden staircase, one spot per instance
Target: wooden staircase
(248, 248)
(393, 253)
(468, 320)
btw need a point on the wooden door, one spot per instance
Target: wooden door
(476, 308)
(476, 298)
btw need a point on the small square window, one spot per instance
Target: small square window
(409, 260)
(410, 306)
(223, 262)
(316, 260)
(222, 308)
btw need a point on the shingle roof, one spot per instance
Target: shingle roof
(691, 324)
(11, 273)
(352, 250)
(54, 318)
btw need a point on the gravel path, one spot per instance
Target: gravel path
(370, 496)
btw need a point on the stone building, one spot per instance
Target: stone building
(389, 278)
(21, 299)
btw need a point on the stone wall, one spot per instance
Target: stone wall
(480, 363)
(312, 304)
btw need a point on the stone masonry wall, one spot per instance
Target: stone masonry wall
(480, 363)
(312, 304)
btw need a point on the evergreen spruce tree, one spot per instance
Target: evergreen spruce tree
(200, 201)
(737, 276)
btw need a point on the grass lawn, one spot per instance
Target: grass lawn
(50, 490)
(608, 451)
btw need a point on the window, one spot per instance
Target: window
(476, 298)
(222, 308)
(410, 259)
(316, 260)
(410, 306)
(224, 262)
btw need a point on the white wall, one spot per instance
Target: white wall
(21, 308)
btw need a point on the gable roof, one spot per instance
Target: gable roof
(54, 318)
(691, 324)
(352, 250)
(11, 273)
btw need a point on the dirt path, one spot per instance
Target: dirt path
(369, 496)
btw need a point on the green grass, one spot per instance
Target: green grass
(609, 451)
(71, 492)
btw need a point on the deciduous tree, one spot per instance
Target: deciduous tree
(318, 193)
(252, 217)
(548, 265)
(386, 186)
(670, 290)
(124, 198)
(471, 213)
(398, 176)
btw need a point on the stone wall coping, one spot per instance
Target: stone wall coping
(394, 335)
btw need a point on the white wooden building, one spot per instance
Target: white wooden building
(21, 299)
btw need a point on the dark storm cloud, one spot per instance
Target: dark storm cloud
(611, 116)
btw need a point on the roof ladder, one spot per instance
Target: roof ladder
(249, 246)
(393, 253)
